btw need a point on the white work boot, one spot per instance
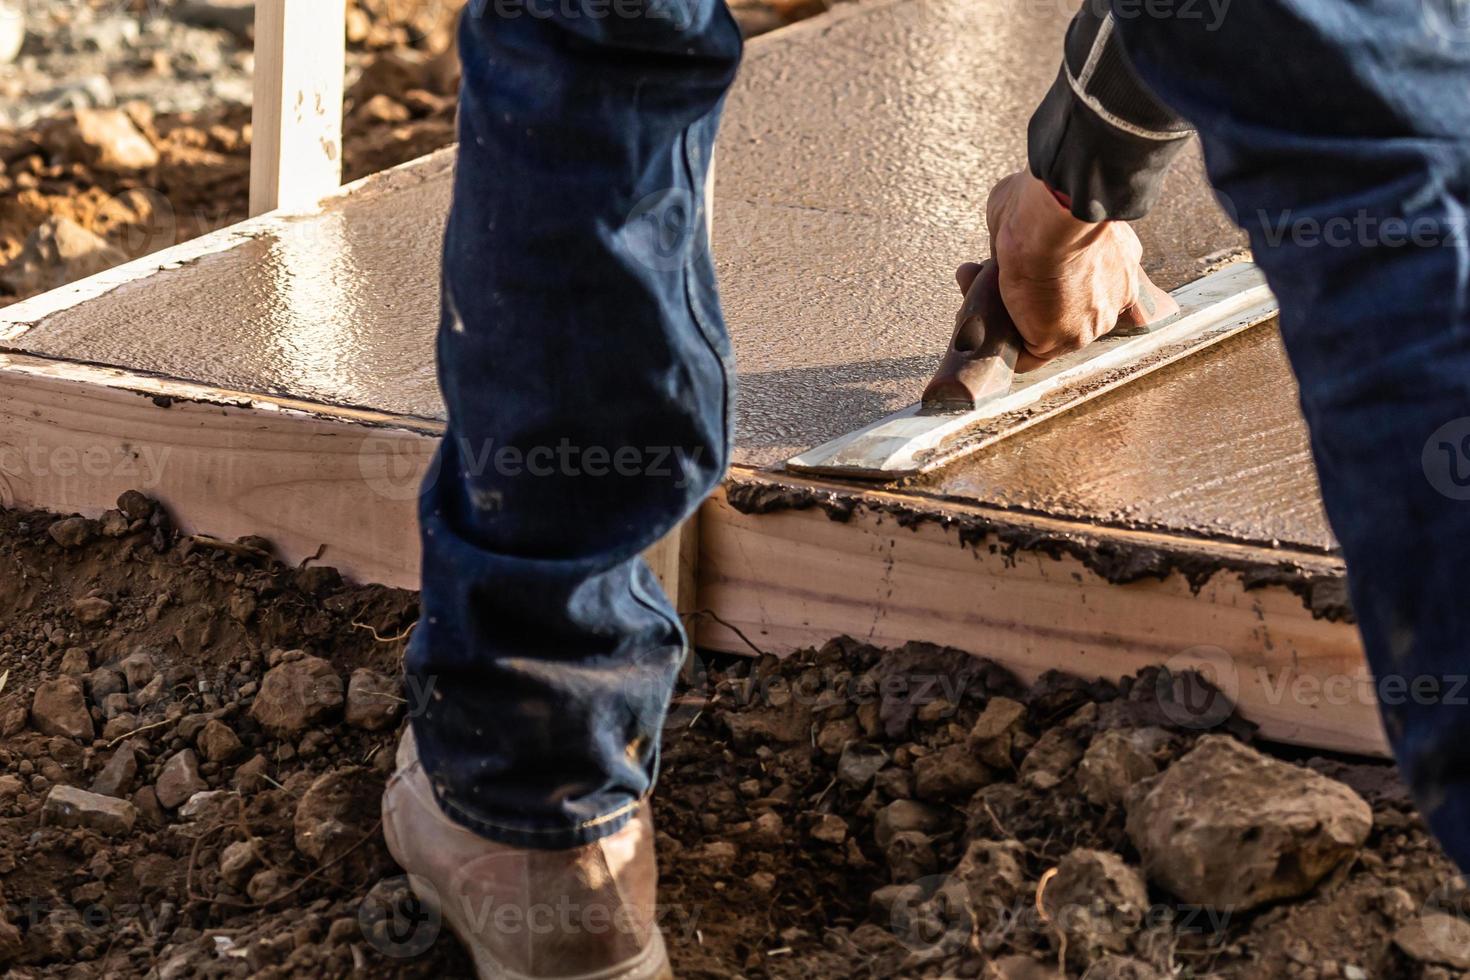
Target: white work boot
(586, 913)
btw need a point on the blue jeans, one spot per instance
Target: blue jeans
(587, 375)
(581, 318)
(1338, 134)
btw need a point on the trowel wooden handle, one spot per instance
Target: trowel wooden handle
(981, 360)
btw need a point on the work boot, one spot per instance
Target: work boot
(585, 913)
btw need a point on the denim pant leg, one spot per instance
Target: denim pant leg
(586, 371)
(1338, 133)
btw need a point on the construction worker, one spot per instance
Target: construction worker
(588, 380)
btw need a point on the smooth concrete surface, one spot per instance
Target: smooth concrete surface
(1213, 445)
(853, 169)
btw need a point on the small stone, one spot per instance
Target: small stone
(119, 724)
(72, 532)
(10, 788)
(833, 737)
(1227, 827)
(901, 816)
(1097, 902)
(119, 774)
(60, 708)
(218, 742)
(91, 610)
(67, 806)
(1050, 760)
(762, 882)
(115, 705)
(138, 669)
(949, 774)
(211, 805)
(179, 780)
(1112, 764)
(75, 662)
(135, 506)
(56, 253)
(296, 695)
(373, 701)
(768, 828)
(383, 109)
(859, 763)
(719, 854)
(104, 681)
(829, 828)
(910, 856)
(250, 776)
(106, 140)
(329, 818)
(146, 800)
(114, 524)
(265, 885)
(1437, 938)
(236, 862)
(993, 733)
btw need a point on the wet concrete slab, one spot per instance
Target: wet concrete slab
(1212, 446)
(854, 164)
(853, 168)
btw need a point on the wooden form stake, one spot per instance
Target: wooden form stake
(300, 60)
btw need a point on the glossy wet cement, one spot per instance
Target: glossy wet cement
(854, 163)
(1212, 445)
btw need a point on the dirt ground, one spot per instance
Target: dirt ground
(847, 812)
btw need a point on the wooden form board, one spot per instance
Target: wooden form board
(300, 61)
(795, 578)
(73, 437)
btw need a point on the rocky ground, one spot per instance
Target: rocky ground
(193, 739)
(125, 126)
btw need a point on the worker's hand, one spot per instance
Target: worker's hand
(1064, 281)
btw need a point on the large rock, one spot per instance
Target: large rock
(1228, 827)
(58, 252)
(60, 708)
(67, 806)
(297, 694)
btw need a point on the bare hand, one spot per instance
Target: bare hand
(1064, 281)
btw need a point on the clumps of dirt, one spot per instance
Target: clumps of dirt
(194, 738)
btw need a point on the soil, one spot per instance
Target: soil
(780, 779)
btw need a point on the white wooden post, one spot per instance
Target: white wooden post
(300, 60)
